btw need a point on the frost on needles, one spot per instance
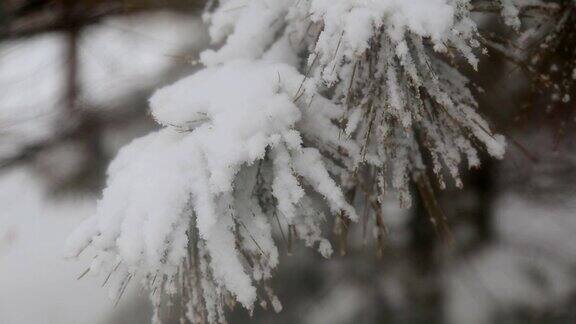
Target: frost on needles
(230, 154)
(304, 100)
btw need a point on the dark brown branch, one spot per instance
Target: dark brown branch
(47, 15)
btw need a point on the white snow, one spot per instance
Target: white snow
(218, 122)
(261, 121)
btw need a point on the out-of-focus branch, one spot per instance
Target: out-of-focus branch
(27, 18)
(71, 130)
(492, 6)
(32, 17)
(72, 35)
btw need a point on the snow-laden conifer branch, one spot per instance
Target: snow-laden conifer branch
(301, 100)
(231, 133)
(374, 59)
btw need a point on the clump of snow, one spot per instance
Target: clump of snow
(258, 20)
(200, 171)
(386, 81)
(510, 12)
(350, 26)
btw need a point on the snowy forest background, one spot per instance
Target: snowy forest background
(76, 77)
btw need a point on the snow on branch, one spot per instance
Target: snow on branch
(230, 133)
(299, 96)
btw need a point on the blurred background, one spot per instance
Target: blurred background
(75, 77)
